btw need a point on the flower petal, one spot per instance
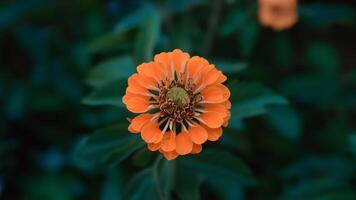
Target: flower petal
(152, 70)
(168, 142)
(179, 59)
(211, 119)
(216, 107)
(153, 146)
(215, 94)
(196, 148)
(195, 65)
(184, 144)
(137, 104)
(169, 155)
(198, 134)
(151, 133)
(138, 122)
(214, 133)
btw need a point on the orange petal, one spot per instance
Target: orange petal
(215, 94)
(168, 141)
(137, 104)
(169, 155)
(130, 95)
(151, 132)
(153, 146)
(179, 59)
(216, 107)
(227, 104)
(152, 70)
(227, 118)
(214, 133)
(211, 77)
(196, 148)
(184, 144)
(165, 61)
(211, 119)
(146, 82)
(198, 134)
(195, 65)
(138, 122)
(134, 86)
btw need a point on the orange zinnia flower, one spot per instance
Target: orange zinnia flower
(278, 14)
(182, 102)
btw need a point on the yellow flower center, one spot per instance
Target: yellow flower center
(178, 95)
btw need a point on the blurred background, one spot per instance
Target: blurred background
(63, 70)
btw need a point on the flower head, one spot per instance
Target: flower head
(278, 14)
(182, 103)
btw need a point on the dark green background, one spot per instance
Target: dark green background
(63, 70)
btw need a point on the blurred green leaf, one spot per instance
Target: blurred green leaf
(108, 41)
(176, 6)
(132, 20)
(285, 120)
(352, 143)
(187, 184)
(164, 175)
(310, 88)
(141, 186)
(109, 145)
(108, 94)
(248, 37)
(229, 66)
(234, 21)
(219, 163)
(322, 58)
(316, 177)
(143, 157)
(283, 50)
(49, 187)
(147, 36)
(111, 70)
(253, 99)
(226, 189)
(324, 15)
(329, 189)
(112, 187)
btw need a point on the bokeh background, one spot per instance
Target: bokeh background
(63, 70)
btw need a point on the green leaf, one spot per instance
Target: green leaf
(112, 187)
(319, 15)
(218, 163)
(143, 157)
(234, 21)
(132, 20)
(148, 36)
(109, 145)
(253, 99)
(177, 6)
(285, 120)
(111, 70)
(311, 88)
(352, 143)
(323, 58)
(164, 175)
(108, 94)
(248, 38)
(188, 183)
(141, 186)
(229, 66)
(108, 41)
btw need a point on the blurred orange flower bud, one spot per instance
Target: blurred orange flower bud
(278, 14)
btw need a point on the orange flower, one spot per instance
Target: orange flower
(182, 102)
(278, 14)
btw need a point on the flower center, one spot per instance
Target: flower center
(178, 95)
